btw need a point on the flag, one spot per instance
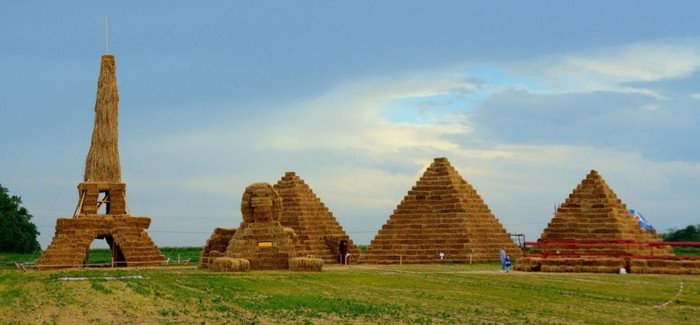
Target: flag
(641, 220)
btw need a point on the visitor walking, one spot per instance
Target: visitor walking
(506, 264)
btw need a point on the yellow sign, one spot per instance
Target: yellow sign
(265, 244)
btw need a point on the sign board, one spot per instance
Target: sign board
(265, 244)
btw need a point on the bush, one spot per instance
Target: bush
(17, 233)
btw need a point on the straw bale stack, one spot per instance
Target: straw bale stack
(216, 245)
(126, 235)
(669, 265)
(442, 215)
(317, 229)
(593, 212)
(102, 187)
(587, 265)
(665, 266)
(228, 264)
(260, 239)
(306, 264)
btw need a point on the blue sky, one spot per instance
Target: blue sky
(523, 98)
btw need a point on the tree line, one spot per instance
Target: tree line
(17, 232)
(689, 233)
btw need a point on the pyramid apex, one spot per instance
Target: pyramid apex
(290, 174)
(594, 175)
(441, 159)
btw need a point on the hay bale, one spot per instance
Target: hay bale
(305, 264)
(228, 264)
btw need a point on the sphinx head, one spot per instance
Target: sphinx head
(261, 203)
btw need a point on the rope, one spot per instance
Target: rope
(674, 299)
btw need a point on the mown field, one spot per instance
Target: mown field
(176, 255)
(356, 294)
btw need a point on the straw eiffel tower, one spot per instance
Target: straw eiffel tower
(102, 211)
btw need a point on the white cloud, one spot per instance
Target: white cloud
(347, 117)
(643, 62)
(605, 69)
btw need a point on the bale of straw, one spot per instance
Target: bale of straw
(306, 264)
(228, 264)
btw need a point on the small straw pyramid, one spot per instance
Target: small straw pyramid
(315, 226)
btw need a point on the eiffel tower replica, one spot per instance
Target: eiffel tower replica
(102, 211)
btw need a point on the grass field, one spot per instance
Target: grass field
(104, 256)
(356, 294)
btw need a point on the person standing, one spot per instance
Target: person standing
(506, 264)
(502, 255)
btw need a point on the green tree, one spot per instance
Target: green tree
(689, 233)
(17, 233)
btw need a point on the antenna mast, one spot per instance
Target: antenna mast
(106, 37)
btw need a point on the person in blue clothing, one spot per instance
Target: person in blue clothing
(506, 263)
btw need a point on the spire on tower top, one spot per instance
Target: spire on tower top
(106, 37)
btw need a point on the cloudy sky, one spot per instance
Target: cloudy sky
(358, 98)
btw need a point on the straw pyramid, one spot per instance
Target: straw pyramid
(314, 224)
(593, 212)
(442, 213)
(215, 246)
(102, 211)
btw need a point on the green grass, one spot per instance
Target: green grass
(687, 251)
(104, 256)
(408, 294)
(9, 259)
(175, 254)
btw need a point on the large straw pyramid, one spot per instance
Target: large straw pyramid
(314, 224)
(102, 211)
(442, 213)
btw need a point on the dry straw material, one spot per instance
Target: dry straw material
(600, 224)
(102, 163)
(228, 264)
(306, 264)
(260, 239)
(216, 245)
(593, 212)
(441, 219)
(102, 211)
(315, 226)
